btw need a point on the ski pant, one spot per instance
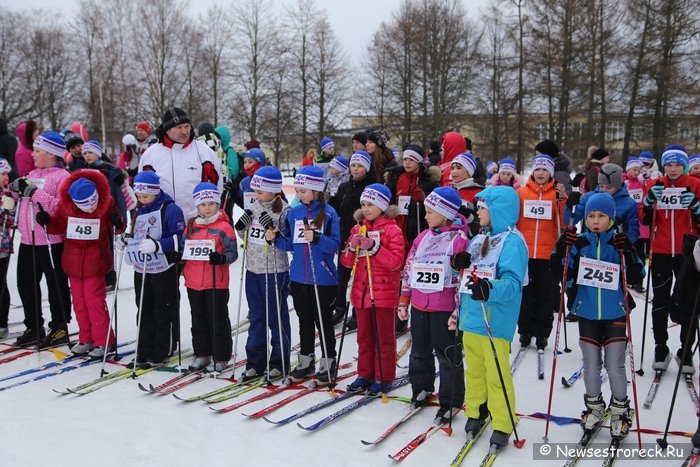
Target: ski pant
(429, 333)
(663, 268)
(594, 336)
(263, 296)
(90, 305)
(539, 300)
(483, 381)
(304, 299)
(30, 291)
(5, 302)
(159, 307)
(368, 359)
(211, 327)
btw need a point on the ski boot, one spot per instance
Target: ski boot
(326, 366)
(620, 418)
(662, 357)
(28, 337)
(686, 365)
(249, 375)
(474, 425)
(420, 398)
(525, 340)
(359, 385)
(351, 325)
(444, 414)
(593, 415)
(378, 388)
(4, 332)
(199, 363)
(541, 343)
(100, 351)
(305, 368)
(81, 349)
(499, 440)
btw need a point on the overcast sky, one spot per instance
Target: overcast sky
(354, 21)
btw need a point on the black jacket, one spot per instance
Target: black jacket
(347, 200)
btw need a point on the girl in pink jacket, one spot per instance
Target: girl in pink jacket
(379, 245)
(635, 186)
(209, 248)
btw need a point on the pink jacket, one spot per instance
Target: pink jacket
(517, 183)
(449, 240)
(385, 264)
(637, 184)
(23, 155)
(49, 181)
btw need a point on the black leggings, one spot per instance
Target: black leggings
(304, 298)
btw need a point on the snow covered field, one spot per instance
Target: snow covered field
(123, 426)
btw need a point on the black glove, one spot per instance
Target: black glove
(230, 186)
(461, 260)
(266, 221)
(245, 220)
(117, 221)
(480, 290)
(216, 258)
(567, 239)
(573, 200)
(18, 186)
(174, 257)
(43, 218)
(621, 242)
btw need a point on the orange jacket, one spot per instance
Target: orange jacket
(541, 234)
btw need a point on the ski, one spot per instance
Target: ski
(468, 444)
(586, 439)
(518, 360)
(540, 364)
(412, 445)
(12, 358)
(174, 384)
(366, 399)
(215, 392)
(693, 458)
(313, 408)
(612, 450)
(571, 380)
(401, 421)
(688, 377)
(490, 456)
(255, 384)
(658, 374)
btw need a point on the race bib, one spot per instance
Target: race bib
(481, 272)
(599, 274)
(299, 231)
(404, 201)
(536, 209)
(249, 199)
(198, 250)
(256, 233)
(637, 195)
(426, 276)
(671, 198)
(83, 229)
(38, 182)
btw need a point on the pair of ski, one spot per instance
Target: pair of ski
(658, 376)
(588, 437)
(24, 351)
(521, 355)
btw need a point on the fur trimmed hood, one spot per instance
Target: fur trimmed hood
(104, 194)
(392, 212)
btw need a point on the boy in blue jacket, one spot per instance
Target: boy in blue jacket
(595, 267)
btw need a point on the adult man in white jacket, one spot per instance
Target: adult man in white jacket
(180, 161)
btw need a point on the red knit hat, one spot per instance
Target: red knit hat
(253, 143)
(145, 126)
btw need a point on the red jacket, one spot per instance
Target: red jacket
(671, 224)
(85, 258)
(386, 263)
(198, 274)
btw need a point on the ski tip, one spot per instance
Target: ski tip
(519, 443)
(143, 388)
(366, 443)
(269, 421)
(448, 430)
(646, 405)
(302, 426)
(214, 409)
(564, 382)
(178, 398)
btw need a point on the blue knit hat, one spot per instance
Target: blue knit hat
(693, 161)
(84, 194)
(257, 155)
(467, 161)
(646, 156)
(633, 162)
(543, 161)
(507, 165)
(267, 179)
(602, 202)
(674, 154)
(363, 158)
(327, 144)
(340, 164)
(4, 166)
(310, 177)
(51, 142)
(377, 194)
(445, 201)
(205, 192)
(93, 146)
(147, 183)
(491, 165)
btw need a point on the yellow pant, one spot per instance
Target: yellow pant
(483, 384)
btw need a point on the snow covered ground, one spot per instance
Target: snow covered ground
(121, 425)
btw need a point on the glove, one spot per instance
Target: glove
(365, 243)
(148, 245)
(654, 194)
(266, 221)
(121, 242)
(245, 220)
(621, 242)
(417, 196)
(574, 198)
(567, 239)
(216, 258)
(8, 203)
(174, 257)
(461, 260)
(43, 218)
(231, 186)
(480, 289)
(271, 235)
(310, 235)
(209, 173)
(117, 221)
(18, 186)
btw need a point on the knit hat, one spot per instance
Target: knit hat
(174, 116)
(467, 161)
(84, 194)
(253, 143)
(93, 146)
(507, 165)
(633, 162)
(610, 174)
(413, 152)
(602, 202)
(380, 138)
(491, 165)
(205, 128)
(71, 139)
(145, 126)
(327, 144)
(51, 142)
(543, 161)
(205, 192)
(445, 201)
(256, 154)
(548, 147)
(674, 155)
(377, 194)
(362, 158)
(267, 179)
(646, 157)
(147, 183)
(692, 161)
(340, 164)
(4, 166)
(599, 154)
(360, 137)
(310, 177)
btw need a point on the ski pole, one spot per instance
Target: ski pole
(517, 442)
(240, 297)
(267, 314)
(213, 312)
(640, 372)
(283, 348)
(4, 291)
(453, 386)
(176, 245)
(324, 346)
(140, 311)
(376, 325)
(113, 314)
(37, 289)
(563, 287)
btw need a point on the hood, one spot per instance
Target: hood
(225, 136)
(103, 192)
(392, 212)
(504, 207)
(21, 132)
(562, 163)
(453, 144)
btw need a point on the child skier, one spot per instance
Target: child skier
(338, 173)
(7, 213)
(262, 263)
(311, 230)
(463, 168)
(86, 218)
(375, 287)
(209, 248)
(428, 286)
(635, 187)
(253, 159)
(506, 174)
(694, 166)
(498, 257)
(594, 264)
(158, 226)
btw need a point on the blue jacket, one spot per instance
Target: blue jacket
(503, 304)
(323, 251)
(625, 211)
(172, 218)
